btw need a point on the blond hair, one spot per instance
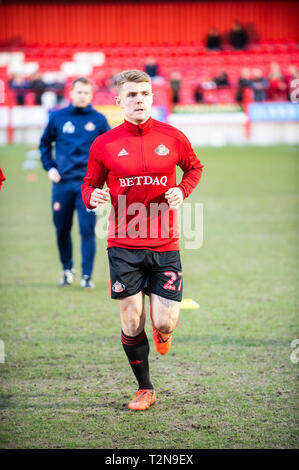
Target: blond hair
(136, 76)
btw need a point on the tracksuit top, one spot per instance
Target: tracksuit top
(73, 130)
(138, 164)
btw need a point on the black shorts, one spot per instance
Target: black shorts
(132, 271)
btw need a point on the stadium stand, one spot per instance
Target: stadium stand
(62, 40)
(193, 62)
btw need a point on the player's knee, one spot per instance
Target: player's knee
(87, 232)
(87, 224)
(62, 232)
(132, 321)
(164, 327)
(167, 324)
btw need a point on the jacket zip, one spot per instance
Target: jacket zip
(142, 151)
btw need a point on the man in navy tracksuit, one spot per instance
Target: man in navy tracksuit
(73, 129)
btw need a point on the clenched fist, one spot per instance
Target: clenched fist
(174, 197)
(99, 197)
(54, 175)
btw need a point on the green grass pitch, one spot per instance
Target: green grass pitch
(227, 382)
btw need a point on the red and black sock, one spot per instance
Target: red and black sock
(137, 351)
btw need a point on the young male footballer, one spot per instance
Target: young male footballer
(73, 129)
(137, 160)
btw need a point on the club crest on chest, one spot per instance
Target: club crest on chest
(162, 150)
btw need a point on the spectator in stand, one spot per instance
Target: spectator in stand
(238, 36)
(278, 88)
(111, 81)
(175, 86)
(244, 83)
(275, 70)
(19, 87)
(259, 85)
(222, 80)
(151, 67)
(59, 88)
(213, 40)
(37, 86)
(101, 80)
(198, 93)
(54, 89)
(293, 74)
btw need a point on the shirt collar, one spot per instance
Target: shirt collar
(139, 129)
(80, 110)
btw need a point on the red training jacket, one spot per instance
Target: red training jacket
(138, 164)
(2, 178)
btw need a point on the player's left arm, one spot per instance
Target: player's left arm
(192, 169)
(190, 165)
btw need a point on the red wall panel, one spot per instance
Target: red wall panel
(125, 22)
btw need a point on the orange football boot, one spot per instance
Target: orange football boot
(143, 400)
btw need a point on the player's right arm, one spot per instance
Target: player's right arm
(93, 194)
(45, 147)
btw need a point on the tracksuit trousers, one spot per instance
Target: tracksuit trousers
(66, 198)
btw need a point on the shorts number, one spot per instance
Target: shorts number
(180, 284)
(169, 284)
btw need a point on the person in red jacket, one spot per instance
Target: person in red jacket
(137, 160)
(2, 178)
